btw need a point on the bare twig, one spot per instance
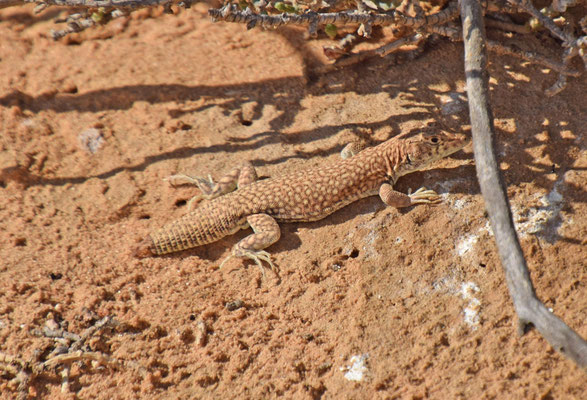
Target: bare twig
(561, 68)
(383, 51)
(394, 46)
(68, 348)
(507, 26)
(499, 48)
(530, 310)
(231, 13)
(526, 5)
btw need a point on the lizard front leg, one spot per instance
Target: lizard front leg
(237, 177)
(397, 199)
(266, 232)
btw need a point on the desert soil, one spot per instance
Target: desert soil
(371, 302)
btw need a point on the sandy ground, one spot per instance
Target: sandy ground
(371, 302)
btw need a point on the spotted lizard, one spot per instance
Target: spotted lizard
(239, 200)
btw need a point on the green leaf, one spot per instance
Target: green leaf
(330, 30)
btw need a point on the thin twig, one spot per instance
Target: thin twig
(507, 26)
(395, 45)
(71, 348)
(383, 51)
(561, 68)
(526, 6)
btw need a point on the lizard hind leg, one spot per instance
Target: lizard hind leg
(266, 232)
(237, 177)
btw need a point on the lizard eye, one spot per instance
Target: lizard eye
(434, 139)
(408, 159)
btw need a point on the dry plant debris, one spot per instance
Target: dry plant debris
(413, 22)
(65, 350)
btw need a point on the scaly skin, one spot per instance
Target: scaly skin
(307, 195)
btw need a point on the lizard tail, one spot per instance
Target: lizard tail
(206, 224)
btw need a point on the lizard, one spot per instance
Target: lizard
(238, 200)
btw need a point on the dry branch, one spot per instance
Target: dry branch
(231, 13)
(363, 13)
(383, 51)
(67, 348)
(437, 22)
(529, 308)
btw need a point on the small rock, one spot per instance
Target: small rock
(52, 324)
(201, 333)
(234, 305)
(91, 140)
(456, 103)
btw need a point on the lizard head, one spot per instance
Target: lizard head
(423, 149)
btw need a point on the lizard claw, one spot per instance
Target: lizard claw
(207, 186)
(257, 257)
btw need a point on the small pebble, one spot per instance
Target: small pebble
(456, 103)
(91, 140)
(234, 305)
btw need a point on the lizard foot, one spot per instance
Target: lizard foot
(257, 256)
(207, 186)
(425, 196)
